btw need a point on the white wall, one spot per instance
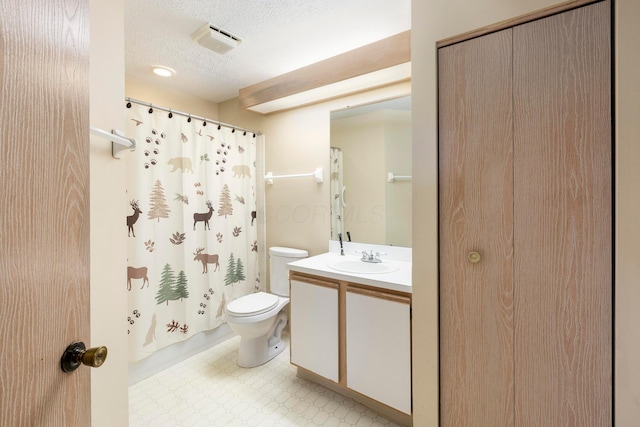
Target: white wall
(109, 393)
(439, 19)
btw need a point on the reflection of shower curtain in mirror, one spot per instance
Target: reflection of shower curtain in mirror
(192, 243)
(337, 193)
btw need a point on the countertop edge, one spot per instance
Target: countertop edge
(316, 266)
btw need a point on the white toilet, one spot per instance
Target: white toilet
(257, 317)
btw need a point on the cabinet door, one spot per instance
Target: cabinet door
(379, 348)
(314, 327)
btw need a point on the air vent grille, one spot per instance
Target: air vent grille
(224, 33)
(216, 39)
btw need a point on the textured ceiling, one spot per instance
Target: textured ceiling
(277, 36)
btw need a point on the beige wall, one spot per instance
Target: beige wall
(439, 19)
(398, 194)
(374, 144)
(160, 95)
(297, 141)
(362, 140)
(109, 383)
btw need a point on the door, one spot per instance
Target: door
(476, 214)
(526, 225)
(378, 328)
(314, 326)
(44, 223)
(563, 219)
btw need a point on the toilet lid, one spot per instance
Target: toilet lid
(252, 304)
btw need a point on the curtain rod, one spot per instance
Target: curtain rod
(190, 116)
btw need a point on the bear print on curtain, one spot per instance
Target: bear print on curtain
(191, 226)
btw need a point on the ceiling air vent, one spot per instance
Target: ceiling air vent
(214, 38)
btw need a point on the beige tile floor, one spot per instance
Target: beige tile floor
(209, 389)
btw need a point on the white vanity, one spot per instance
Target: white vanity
(351, 326)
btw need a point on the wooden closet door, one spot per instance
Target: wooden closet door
(476, 206)
(563, 220)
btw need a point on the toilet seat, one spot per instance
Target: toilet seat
(252, 304)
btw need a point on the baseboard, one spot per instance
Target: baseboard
(179, 352)
(392, 414)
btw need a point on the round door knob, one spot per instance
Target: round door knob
(77, 354)
(94, 357)
(474, 257)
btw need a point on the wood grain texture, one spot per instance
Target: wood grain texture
(44, 225)
(376, 56)
(510, 23)
(377, 293)
(476, 199)
(315, 280)
(563, 219)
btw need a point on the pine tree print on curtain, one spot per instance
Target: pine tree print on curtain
(192, 240)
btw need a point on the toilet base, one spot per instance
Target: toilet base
(255, 352)
(258, 351)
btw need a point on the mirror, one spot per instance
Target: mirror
(371, 173)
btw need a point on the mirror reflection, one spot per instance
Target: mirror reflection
(371, 173)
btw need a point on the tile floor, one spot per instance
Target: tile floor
(209, 390)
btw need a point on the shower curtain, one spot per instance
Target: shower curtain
(337, 191)
(191, 225)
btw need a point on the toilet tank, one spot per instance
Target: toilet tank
(279, 257)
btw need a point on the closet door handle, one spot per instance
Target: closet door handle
(474, 257)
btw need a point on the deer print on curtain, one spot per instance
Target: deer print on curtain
(192, 239)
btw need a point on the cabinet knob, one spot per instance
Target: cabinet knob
(474, 257)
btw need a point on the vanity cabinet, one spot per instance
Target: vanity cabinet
(378, 327)
(314, 326)
(354, 339)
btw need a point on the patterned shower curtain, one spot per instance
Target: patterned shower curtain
(192, 239)
(337, 193)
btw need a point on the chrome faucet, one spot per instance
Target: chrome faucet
(370, 257)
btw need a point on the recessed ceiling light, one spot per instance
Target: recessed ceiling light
(163, 71)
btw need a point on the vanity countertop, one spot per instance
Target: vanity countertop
(398, 280)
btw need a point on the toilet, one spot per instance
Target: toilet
(258, 318)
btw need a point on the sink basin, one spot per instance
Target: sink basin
(359, 267)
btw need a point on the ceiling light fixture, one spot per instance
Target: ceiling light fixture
(161, 70)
